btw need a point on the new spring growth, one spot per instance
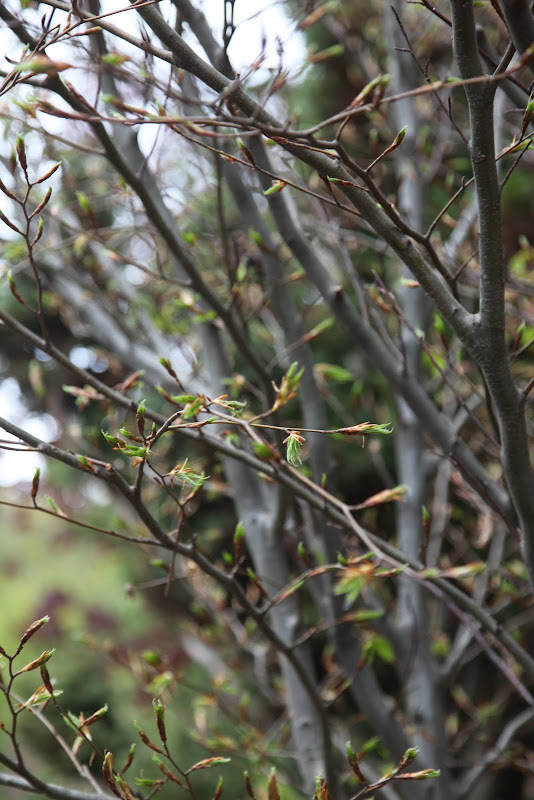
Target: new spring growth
(10, 279)
(288, 386)
(207, 763)
(85, 463)
(83, 202)
(218, 790)
(272, 788)
(239, 535)
(129, 759)
(125, 789)
(9, 224)
(38, 662)
(40, 225)
(45, 677)
(140, 417)
(39, 208)
(107, 772)
(34, 627)
(159, 710)
(21, 154)
(47, 174)
(527, 116)
(393, 146)
(353, 761)
(378, 84)
(321, 790)
(144, 738)
(35, 487)
(264, 450)
(274, 188)
(137, 454)
(248, 785)
(294, 443)
(166, 364)
(246, 152)
(409, 756)
(303, 553)
(187, 476)
(166, 771)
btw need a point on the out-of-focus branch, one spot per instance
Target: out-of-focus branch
(520, 20)
(25, 780)
(472, 779)
(51, 790)
(423, 688)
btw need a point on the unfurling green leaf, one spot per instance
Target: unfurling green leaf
(419, 776)
(379, 646)
(45, 656)
(274, 188)
(187, 476)
(117, 444)
(294, 443)
(288, 386)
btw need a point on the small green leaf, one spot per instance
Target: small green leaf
(114, 59)
(333, 372)
(83, 201)
(381, 647)
(134, 452)
(112, 439)
(151, 657)
(263, 450)
(350, 586)
(257, 238)
(274, 188)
